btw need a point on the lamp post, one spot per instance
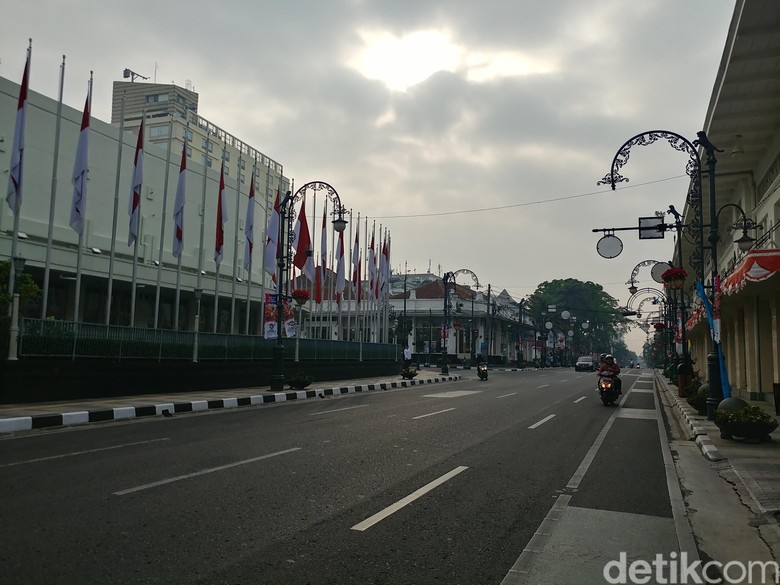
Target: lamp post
(198, 296)
(448, 276)
(282, 262)
(13, 342)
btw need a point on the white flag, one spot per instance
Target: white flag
(78, 208)
(135, 195)
(249, 226)
(14, 197)
(178, 205)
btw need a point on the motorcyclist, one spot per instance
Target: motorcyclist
(609, 367)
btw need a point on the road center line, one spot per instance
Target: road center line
(337, 410)
(541, 422)
(505, 395)
(543, 386)
(432, 413)
(392, 509)
(203, 472)
(75, 453)
(580, 399)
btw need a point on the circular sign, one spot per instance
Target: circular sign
(570, 333)
(548, 325)
(609, 247)
(658, 269)
(585, 325)
(565, 314)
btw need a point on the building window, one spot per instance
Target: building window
(158, 131)
(227, 155)
(242, 163)
(189, 152)
(157, 98)
(188, 135)
(227, 170)
(242, 176)
(208, 145)
(207, 160)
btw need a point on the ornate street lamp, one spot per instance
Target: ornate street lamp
(283, 261)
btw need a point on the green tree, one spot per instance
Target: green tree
(29, 292)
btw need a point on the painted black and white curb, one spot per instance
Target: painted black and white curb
(26, 423)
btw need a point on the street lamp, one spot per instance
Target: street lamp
(448, 276)
(13, 342)
(745, 242)
(198, 296)
(282, 262)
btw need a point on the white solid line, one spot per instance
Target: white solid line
(379, 516)
(202, 472)
(541, 422)
(543, 386)
(505, 395)
(580, 399)
(75, 453)
(337, 410)
(566, 380)
(432, 413)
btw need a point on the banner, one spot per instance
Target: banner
(270, 313)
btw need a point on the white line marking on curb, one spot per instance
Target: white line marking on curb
(580, 399)
(505, 395)
(203, 472)
(337, 410)
(75, 453)
(379, 516)
(543, 386)
(432, 413)
(541, 422)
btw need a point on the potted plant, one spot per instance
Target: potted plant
(300, 296)
(300, 380)
(408, 373)
(674, 277)
(750, 423)
(698, 400)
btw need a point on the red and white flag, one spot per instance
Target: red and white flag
(14, 197)
(78, 207)
(383, 272)
(356, 263)
(135, 188)
(249, 226)
(222, 217)
(178, 205)
(320, 277)
(372, 280)
(304, 257)
(271, 252)
(340, 280)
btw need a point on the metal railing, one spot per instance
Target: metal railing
(67, 339)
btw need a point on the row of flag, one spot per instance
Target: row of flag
(378, 261)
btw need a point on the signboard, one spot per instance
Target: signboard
(651, 228)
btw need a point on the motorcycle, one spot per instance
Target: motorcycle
(482, 371)
(608, 391)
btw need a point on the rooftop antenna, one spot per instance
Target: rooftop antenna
(132, 75)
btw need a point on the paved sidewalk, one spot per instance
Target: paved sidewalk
(750, 470)
(25, 417)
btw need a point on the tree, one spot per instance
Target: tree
(29, 292)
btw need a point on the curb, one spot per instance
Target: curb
(27, 423)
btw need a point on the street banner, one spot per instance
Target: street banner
(270, 326)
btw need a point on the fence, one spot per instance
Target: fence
(67, 339)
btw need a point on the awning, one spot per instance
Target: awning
(758, 265)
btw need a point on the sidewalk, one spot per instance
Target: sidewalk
(749, 470)
(25, 417)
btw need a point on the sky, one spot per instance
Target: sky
(475, 132)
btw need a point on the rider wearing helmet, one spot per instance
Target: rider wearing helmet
(608, 366)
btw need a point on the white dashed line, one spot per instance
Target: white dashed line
(541, 422)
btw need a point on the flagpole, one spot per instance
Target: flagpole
(17, 208)
(249, 272)
(235, 250)
(162, 224)
(53, 198)
(81, 231)
(120, 147)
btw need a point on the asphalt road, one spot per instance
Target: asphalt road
(424, 485)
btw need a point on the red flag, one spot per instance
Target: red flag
(271, 252)
(249, 225)
(78, 208)
(222, 217)
(304, 259)
(320, 277)
(372, 276)
(356, 260)
(14, 197)
(178, 205)
(340, 280)
(138, 179)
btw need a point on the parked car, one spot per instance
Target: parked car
(585, 364)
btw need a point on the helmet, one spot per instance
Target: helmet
(603, 356)
(609, 357)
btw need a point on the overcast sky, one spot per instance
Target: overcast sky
(474, 131)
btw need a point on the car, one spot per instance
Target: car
(585, 364)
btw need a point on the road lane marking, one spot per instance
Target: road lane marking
(566, 380)
(505, 395)
(432, 413)
(76, 453)
(337, 410)
(202, 472)
(543, 386)
(580, 399)
(452, 394)
(541, 422)
(392, 509)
